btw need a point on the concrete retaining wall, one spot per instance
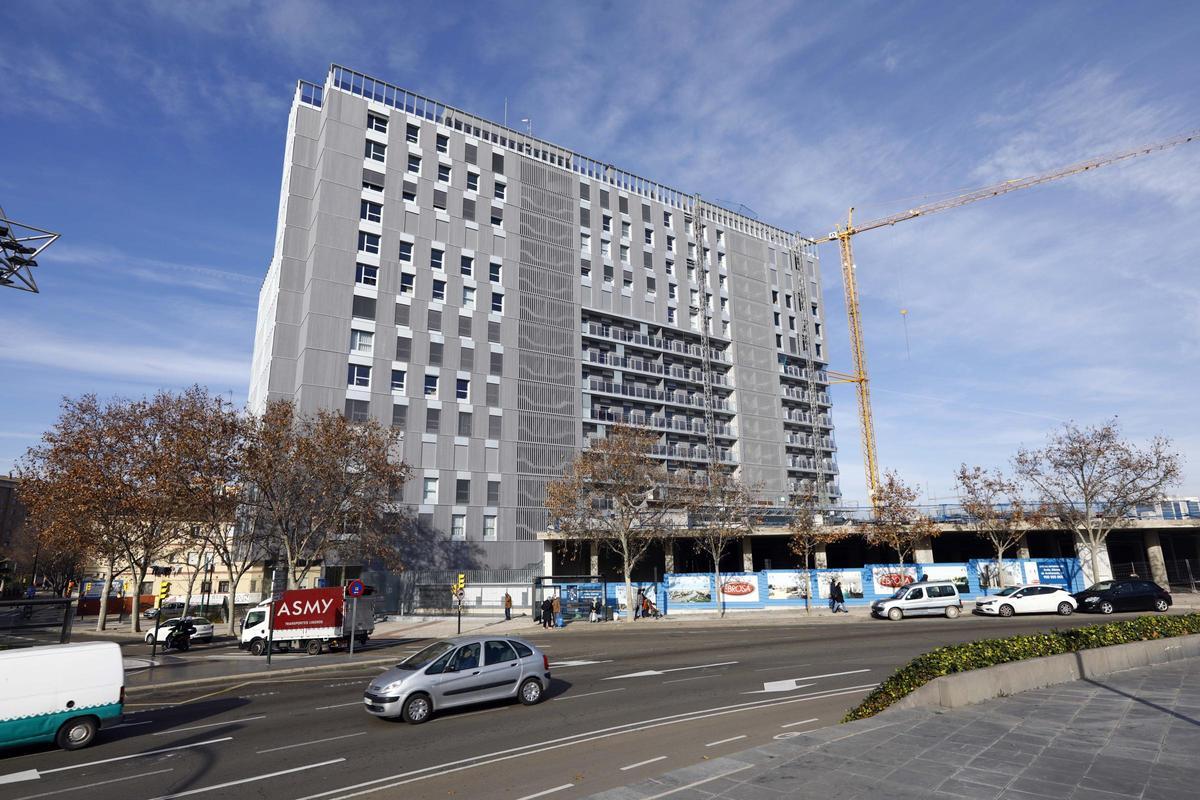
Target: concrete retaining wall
(966, 688)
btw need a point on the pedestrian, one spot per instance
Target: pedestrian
(556, 608)
(507, 605)
(837, 598)
(547, 613)
(637, 608)
(594, 616)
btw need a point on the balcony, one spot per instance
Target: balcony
(662, 423)
(641, 365)
(683, 452)
(802, 374)
(655, 395)
(642, 340)
(803, 395)
(810, 442)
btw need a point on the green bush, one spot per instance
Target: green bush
(988, 652)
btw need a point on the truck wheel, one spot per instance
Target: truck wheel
(76, 733)
(417, 708)
(258, 647)
(314, 647)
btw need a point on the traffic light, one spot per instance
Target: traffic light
(461, 583)
(164, 589)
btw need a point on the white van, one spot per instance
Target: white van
(63, 693)
(923, 598)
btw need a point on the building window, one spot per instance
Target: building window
(462, 491)
(489, 527)
(672, 291)
(666, 219)
(497, 302)
(493, 490)
(464, 423)
(458, 527)
(651, 286)
(466, 356)
(670, 315)
(439, 290)
(464, 327)
(625, 228)
(375, 151)
(650, 236)
(585, 242)
(608, 273)
(498, 163)
(443, 143)
(462, 389)
(496, 367)
(468, 297)
(437, 258)
(358, 375)
(406, 283)
(377, 123)
(366, 275)
(624, 254)
(433, 420)
(368, 242)
(443, 174)
(433, 321)
(468, 209)
(627, 280)
(720, 238)
(406, 251)
(493, 394)
(363, 307)
(495, 421)
(410, 192)
(358, 410)
(501, 190)
(585, 191)
(429, 490)
(494, 272)
(494, 332)
(371, 212)
(439, 199)
(403, 347)
(400, 417)
(431, 385)
(606, 223)
(403, 311)
(372, 186)
(413, 133)
(414, 164)
(398, 378)
(498, 217)
(362, 342)
(466, 265)
(435, 353)
(605, 248)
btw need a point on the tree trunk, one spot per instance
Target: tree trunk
(807, 587)
(234, 580)
(102, 617)
(1000, 569)
(135, 604)
(628, 590)
(1095, 548)
(717, 586)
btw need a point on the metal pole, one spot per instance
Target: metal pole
(460, 614)
(65, 636)
(353, 621)
(154, 641)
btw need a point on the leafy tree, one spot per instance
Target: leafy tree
(995, 510)
(721, 513)
(615, 493)
(897, 524)
(808, 533)
(1092, 480)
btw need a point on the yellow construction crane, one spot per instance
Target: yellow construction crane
(843, 234)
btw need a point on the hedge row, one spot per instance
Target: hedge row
(988, 652)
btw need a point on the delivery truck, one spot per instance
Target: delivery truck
(312, 620)
(62, 693)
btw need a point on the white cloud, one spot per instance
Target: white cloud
(105, 260)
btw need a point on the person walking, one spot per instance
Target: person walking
(556, 608)
(637, 608)
(837, 598)
(594, 615)
(507, 605)
(547, 613)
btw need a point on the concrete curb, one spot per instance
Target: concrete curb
(249, 676)
(976, 686)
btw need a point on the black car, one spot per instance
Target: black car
(1128, 594)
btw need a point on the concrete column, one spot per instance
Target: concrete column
(668, 556)
(1023, 547)
(923, 552)
(747, 554)
(1084, 553)
(820, 558)
(593, 557)
(1154, 554)
(547, 557)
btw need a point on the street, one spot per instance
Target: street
(628, 702)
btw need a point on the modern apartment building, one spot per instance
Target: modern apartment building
(501, 300)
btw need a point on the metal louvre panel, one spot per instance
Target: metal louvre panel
(549, 311)
(547, 428)
(546, 255)
(556, 341)
(545, 367)
(541, 459)
(542, 177)
(544, 398)
(542, 281)
(550, 230)
(557, 206)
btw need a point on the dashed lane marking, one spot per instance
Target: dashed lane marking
(314, 741)
(643, 763)
(209, 725)
(801, 722)
(545, 792)
(727, 741)
(97, 783)
(252, 779)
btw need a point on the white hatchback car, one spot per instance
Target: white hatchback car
(204, 630)
(1027, 599)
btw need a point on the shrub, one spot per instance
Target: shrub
(989, 652)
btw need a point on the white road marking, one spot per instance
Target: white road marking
(648, 672)
(582, 662)
(97, 783)
(226, 785)
(726, 741)
(486, 759)
(589, 694)
(697, 678)
(791, 684)
(801, 722)
(314, 741)
(547, 791)
(34, 774)
(696, 783)
(129, 724)
(209, 725)
(339, 705)
(643, 763)
(776, 669)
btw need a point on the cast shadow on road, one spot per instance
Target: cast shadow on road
(557, 689)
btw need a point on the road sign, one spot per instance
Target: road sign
(355, 588)
(278, 583)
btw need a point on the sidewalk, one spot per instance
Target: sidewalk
(1134, 734)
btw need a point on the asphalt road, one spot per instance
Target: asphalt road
(628, 702)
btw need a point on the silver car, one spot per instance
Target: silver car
(458, 672)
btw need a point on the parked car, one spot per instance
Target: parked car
(204, 630)
(458, 672)
(1027, 599)
(62, 693)
(173, 607)
(1130, 594)
(923, 598)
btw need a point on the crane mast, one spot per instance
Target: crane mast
(843, 235)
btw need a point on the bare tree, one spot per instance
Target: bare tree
(320, 485)
(808, 534)
(995, 510)
(1091, 479)
(614, 493)
(721, 513)
(897, 523)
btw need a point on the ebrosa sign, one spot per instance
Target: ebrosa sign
(309, 608)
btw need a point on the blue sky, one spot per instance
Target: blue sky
(151, 135)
